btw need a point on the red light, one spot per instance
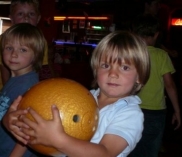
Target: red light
(176, 22)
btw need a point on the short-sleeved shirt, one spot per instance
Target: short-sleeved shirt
(13, 88)
(152, 94)
(123, 118)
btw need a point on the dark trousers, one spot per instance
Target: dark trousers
(149, 144)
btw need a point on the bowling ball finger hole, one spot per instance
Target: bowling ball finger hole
(76, 118)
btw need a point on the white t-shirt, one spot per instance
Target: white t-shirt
(123, 118)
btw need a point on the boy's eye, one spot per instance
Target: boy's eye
(32, 14)
(125, 67)
(104, 65)
(20, 14)
(23, 50)
(8, 48)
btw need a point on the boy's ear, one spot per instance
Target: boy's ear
(156, 35)
(38, 19)
(137, 81)
(11, 19)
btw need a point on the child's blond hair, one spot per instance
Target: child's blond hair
(119, 46)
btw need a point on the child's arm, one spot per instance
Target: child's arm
(51, 133)
(172, 93)
(18, 150)
(11, 120)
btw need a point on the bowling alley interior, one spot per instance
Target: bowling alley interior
(73, 29)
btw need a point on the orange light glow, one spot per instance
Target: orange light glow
(76, 18)
(61, 18)
(176, 22)
(98, 18)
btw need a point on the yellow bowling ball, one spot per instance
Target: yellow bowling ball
(77, 107)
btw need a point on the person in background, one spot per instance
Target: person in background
(22, 11)
(22, 47)
(162, 12)
(151, 7)
(152, 94)
(121, 66)
(155, 8)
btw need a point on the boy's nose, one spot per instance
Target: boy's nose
(14, 53)
(113, 73)
(26, 17)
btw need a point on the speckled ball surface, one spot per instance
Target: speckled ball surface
(78, 108)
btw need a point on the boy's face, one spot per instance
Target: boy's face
(24, 13)
(18, 57)
(115, 80)
(153, 8)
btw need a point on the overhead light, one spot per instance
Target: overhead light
(60, 18)
(98, 18)
(76, 18)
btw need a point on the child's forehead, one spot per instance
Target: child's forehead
(16, 41)
(119, 59)
(112, 54)
(13, 42)
(24, 6)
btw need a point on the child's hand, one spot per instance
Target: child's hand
(44, 131)
(12, 123)
(176, 118)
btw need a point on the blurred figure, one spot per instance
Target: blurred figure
(151, 7)
(152, 94)
(156, 8)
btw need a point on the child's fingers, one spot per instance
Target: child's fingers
(19, 133)
(35, 115)
(20, 136)
(18, 113)
(28, 132)
(32, 141)
(19, 124)
(28, 122)
(31, 133)
(12, 112)
(15, 103)
(176, 120)
(10, 119)
(177, 125)
(55, 113)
